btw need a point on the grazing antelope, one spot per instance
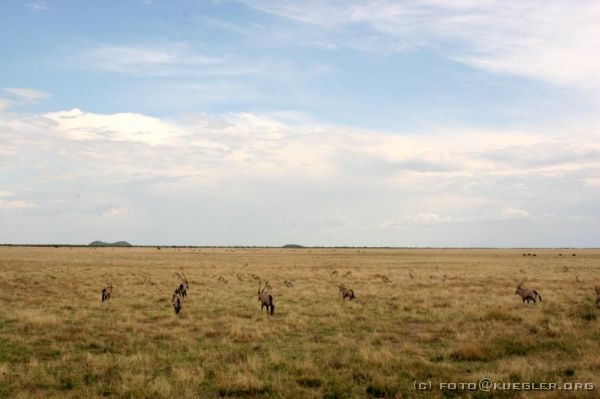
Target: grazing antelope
(597, 296)
(177, 302)
(107, 292)
(265, 298)
(527, 294)
(222, 279)
(334, 273)
(183, 287)
(346, 292)
(347, 274)
(288, 284)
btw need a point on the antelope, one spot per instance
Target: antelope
(346, 292)
(254, 276)
(347, 274)
(334, 273)
(177, 302)
(597, 296)
(527, 294)
(222, 279)
(265, 298)
(288, 284)
(444, 279)
(412, 277)
(107, 292)
(577, 279)
(384, 278)
(239, 276)
(183, 287)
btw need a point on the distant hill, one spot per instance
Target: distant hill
(292, 246)
(109, 244)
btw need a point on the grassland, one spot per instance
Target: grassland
(58, 340)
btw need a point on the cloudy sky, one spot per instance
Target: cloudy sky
(379, 123)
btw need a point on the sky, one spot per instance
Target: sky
(430, 123)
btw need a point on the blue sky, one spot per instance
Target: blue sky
(405, 123)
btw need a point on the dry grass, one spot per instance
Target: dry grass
(58, 340)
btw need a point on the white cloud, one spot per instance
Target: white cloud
(557, 41)
(431, 218)
(252, 164)
(16, 205)
(144, 59)
(159, 60)
(512, 213)
(593, 181)
(7, 151)
(5, 104)
(38, 7)
(110, 213)
(424, 218)
(78, 125)
(251, 144)
(30, 96)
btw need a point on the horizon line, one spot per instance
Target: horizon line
(285, 246)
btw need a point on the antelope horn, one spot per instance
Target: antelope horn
(522, 282)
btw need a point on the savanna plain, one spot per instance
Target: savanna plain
(444, 315)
